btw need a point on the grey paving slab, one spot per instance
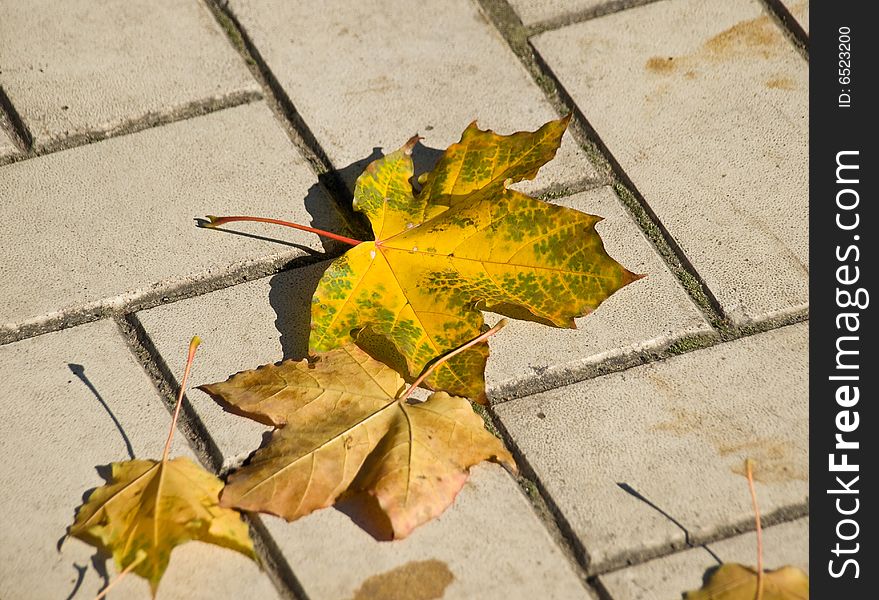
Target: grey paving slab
(669, 577)
(106, 224)
(81, 401)
(489, 545)
(799, 9)
(389, 69)
(75, 68)
(644, 316)
(677, 432)
(704, 104)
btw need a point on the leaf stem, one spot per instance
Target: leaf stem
(430, 369)
(193, 344)
(749, 471)
(215, 222)
(119, 577)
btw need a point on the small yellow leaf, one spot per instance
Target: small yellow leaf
(733, 581)
(148, 508)
(344, 430)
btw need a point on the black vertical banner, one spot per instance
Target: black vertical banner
(844, 425)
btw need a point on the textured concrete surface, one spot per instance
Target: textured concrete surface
(704, 105)
(489, 545)
(57, 428)
(677, 432)
(394, 69)
(670, 576)
(800, 11)
(80, 70)
(105, 224)
(644, 316)
(6, 145)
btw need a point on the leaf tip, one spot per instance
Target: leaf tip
(410, 144)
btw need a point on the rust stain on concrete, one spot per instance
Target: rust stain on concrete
(775, 459)
(661, 64)
(758, 37)
(781, 83)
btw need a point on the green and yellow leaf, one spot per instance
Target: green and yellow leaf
(344, 430)
(148, 508)
(465, 243)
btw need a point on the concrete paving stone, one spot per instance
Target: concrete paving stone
(388, 69)
(704, 104)
(75, 68)
(262, 321)
(106, 224)
(669, 577)
(488, 545)
(677, 432)
(81, 401)
(799, 9)
(646, 315)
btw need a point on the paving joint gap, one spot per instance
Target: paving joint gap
(789, 25)
(167, 385)
(571, 18)
(285, 111)
(272, 560)
(635, 493)
(156, 296)
(784, 514)
(150, 120)
(510, 27)
(597, 585)
(623, 361)
(543, 504)
(562, 190)
(12, 123)
(684, 344)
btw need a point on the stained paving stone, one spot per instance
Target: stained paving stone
(265, 320)
(393, 69)
(799, 9)
(704, 105)
(677, 433)
(106, 224)
(645, 316)
(82, 401)
(669, 577)
(83, 69)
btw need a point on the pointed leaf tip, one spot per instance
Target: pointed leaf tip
(410, 144)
